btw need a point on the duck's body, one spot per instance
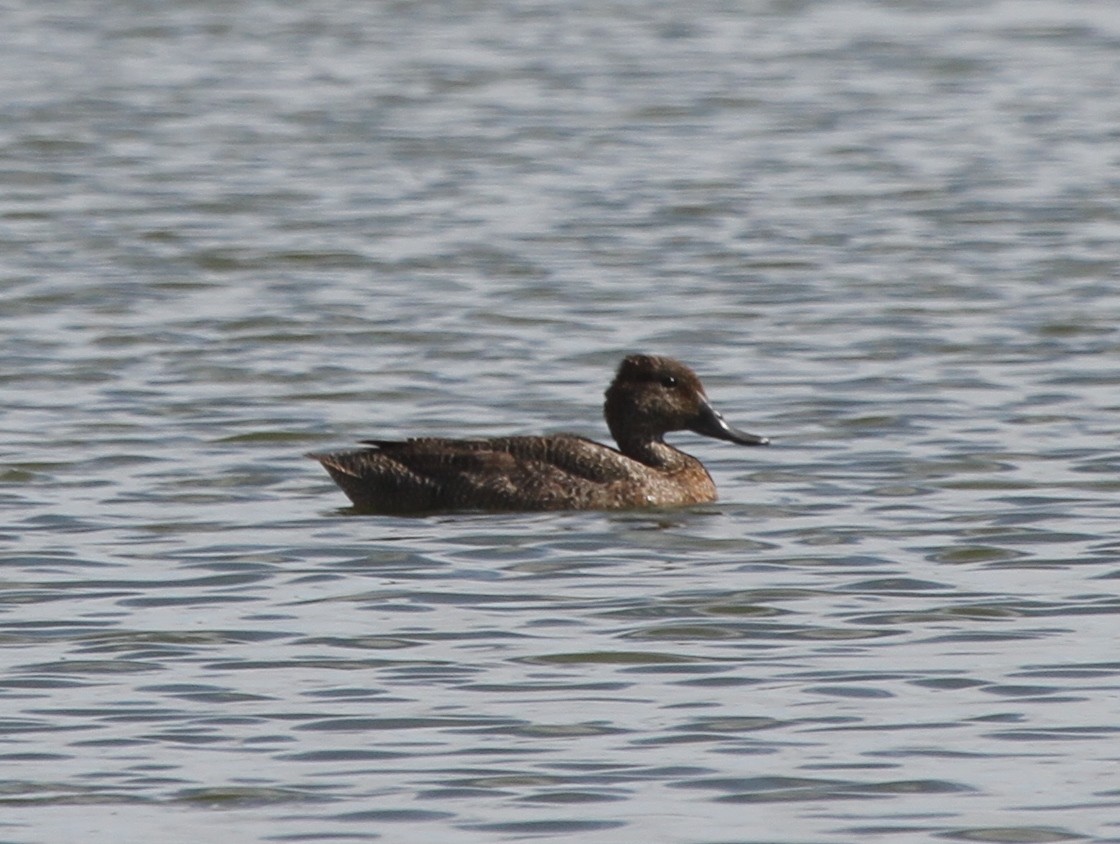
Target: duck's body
(648, 397)
(559, 472)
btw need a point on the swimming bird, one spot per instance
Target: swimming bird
(649, 397)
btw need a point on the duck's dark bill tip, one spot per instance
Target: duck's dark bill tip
(743, 438)
(710, 423)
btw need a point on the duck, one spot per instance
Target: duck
(649, 397)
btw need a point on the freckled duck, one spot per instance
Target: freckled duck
(648, 397)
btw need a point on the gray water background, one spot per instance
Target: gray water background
(886, 233)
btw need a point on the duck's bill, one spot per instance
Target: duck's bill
(710, 423)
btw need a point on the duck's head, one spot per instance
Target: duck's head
(652, 395)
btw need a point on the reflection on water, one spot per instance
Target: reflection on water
(886, 236)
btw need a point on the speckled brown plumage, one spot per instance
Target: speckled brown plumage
(648, 397)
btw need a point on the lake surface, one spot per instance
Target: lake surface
(887, 234)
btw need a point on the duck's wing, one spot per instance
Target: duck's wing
(415, 480)
(508, 473)
(577, 456)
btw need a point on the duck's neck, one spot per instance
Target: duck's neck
(652, 451)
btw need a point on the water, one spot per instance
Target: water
(885, 233)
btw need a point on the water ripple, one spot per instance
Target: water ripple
(886, 234)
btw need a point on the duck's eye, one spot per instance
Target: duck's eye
(668, 381)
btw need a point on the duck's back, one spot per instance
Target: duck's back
(508, 473)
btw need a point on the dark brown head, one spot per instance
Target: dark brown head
(652, 395)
